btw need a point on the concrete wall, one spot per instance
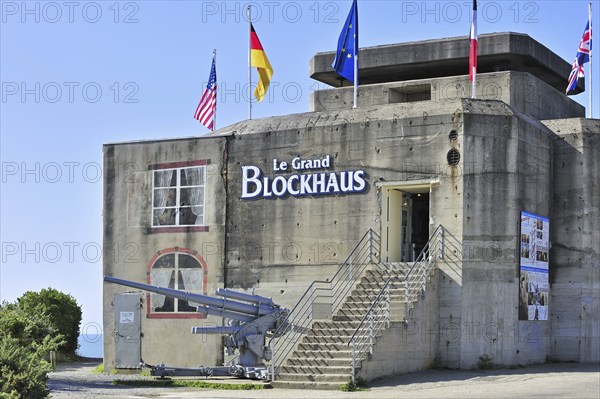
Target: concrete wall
(575, 252)
(508, 161)
(130, 243)
(295, 240)
(523, 91)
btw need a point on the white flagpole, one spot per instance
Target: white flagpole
(355, 40)
(355, 77)
(216, 97)
(474, 34)
(591, 85)
(249, 64)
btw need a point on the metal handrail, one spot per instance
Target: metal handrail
(416, 279)
(378, 314)
(300, 318)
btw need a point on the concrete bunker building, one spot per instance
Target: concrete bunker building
(507, 185)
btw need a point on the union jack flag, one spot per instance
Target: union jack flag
(583, 56)
(207, 107)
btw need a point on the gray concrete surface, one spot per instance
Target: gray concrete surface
(556, 380)
(449, 57)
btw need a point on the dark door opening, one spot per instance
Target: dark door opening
(420, 222)
(405, 227)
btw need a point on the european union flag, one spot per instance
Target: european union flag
(347, 49)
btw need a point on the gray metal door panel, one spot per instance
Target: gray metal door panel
(127, 330)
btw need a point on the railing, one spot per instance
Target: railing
(378, 316)
(415, 282)
(332, 293)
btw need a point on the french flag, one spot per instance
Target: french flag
(473, 51)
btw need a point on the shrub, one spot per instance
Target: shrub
(25, 340)
(63, 310)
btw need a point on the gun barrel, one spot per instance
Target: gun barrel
(241, 296)
(216, 330)
(226, 314)
(226, 304)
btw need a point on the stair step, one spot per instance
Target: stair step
(350, 314)
(317, 370)
(336, 324)
(365, 294)
(325, 386)
(366, 305)
(329, 332)
(332, 339)
(322, 346)
(330, 378)
(318, 354)
(318, 361)
(382, 280)
(377, 286)
(346, 317)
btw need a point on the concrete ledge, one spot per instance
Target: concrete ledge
(450, 57)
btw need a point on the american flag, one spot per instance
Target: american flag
(583, 56)
(207, 107)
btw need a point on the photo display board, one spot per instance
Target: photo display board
(534, 287)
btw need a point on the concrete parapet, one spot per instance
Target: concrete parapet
(521, 90)
(450, 57)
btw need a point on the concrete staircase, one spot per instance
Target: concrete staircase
(322, 359)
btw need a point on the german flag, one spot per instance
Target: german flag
(258, 59)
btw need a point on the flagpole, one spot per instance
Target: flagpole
(355, 76)
(356, 51)
(249, 63)
(215, 114)
(591, 68)
(474, 36)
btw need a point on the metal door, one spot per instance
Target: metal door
(127, 330)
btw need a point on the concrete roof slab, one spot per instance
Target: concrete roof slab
(450, 57)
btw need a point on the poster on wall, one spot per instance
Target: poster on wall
(534, 287)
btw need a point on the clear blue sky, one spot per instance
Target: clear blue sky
(77, 74)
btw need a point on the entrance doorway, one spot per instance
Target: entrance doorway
(405, 222)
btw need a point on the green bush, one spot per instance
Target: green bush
(360, 385)
(63, 310)
(25, 340)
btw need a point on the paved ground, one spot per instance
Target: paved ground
(559, 380)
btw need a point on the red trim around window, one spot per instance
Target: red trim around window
(182, 164)
(175, 315)
(177, 229)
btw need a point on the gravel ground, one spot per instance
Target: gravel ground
(560, 380)
(77, 380)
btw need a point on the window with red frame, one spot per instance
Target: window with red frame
(178, 196)
(180, 271)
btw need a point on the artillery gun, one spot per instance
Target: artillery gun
(251, 319)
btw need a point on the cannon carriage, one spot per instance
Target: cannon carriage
(250, 320)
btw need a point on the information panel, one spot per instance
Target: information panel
(534, 286)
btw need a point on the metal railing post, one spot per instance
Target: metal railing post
(353, 362)
(371, 335)
(349, 269)
(388, 301)
(370, 246)
(441, 234)
(406, 297)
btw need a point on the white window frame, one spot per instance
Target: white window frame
(178, 188)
